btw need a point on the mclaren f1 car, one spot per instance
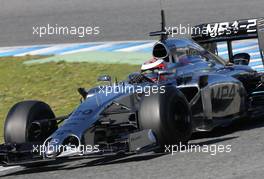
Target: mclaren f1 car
(184, 89)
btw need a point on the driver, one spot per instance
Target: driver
(153, 65)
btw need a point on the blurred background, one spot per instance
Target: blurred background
(117, 19)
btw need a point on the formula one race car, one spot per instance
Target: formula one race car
(182, 90)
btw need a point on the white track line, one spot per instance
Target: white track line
(240, 49)
(259, 66)
(52, 47)
(136, 48)
(8, 49)
(245, 41)
(224, 45)
(246, 48)
(254, 54)
(97, 47)
(255, 60)
(44, 50)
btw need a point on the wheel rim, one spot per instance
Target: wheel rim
(34, 132)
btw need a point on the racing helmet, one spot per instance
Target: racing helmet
(152, 64)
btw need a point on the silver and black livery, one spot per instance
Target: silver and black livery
(200, 92)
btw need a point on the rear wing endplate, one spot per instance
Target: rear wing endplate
(260, 29)
(229, 31)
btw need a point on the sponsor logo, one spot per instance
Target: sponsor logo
(224, 92)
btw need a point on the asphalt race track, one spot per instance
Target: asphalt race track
(132, 20)
(246, 160)
(117, 19)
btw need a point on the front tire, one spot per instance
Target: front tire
(168, 115)
(23, 124)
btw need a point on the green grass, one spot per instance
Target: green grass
(54, 83)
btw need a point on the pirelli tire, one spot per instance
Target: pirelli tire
(168, 115)
(23, 123)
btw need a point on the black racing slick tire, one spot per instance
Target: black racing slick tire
(168, 115)
(23, 123)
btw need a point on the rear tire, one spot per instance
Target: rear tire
(168, 115)
(21, 124)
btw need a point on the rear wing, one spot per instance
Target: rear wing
(228, 31)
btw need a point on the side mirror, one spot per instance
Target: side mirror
(241, 59)
(105, 78)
